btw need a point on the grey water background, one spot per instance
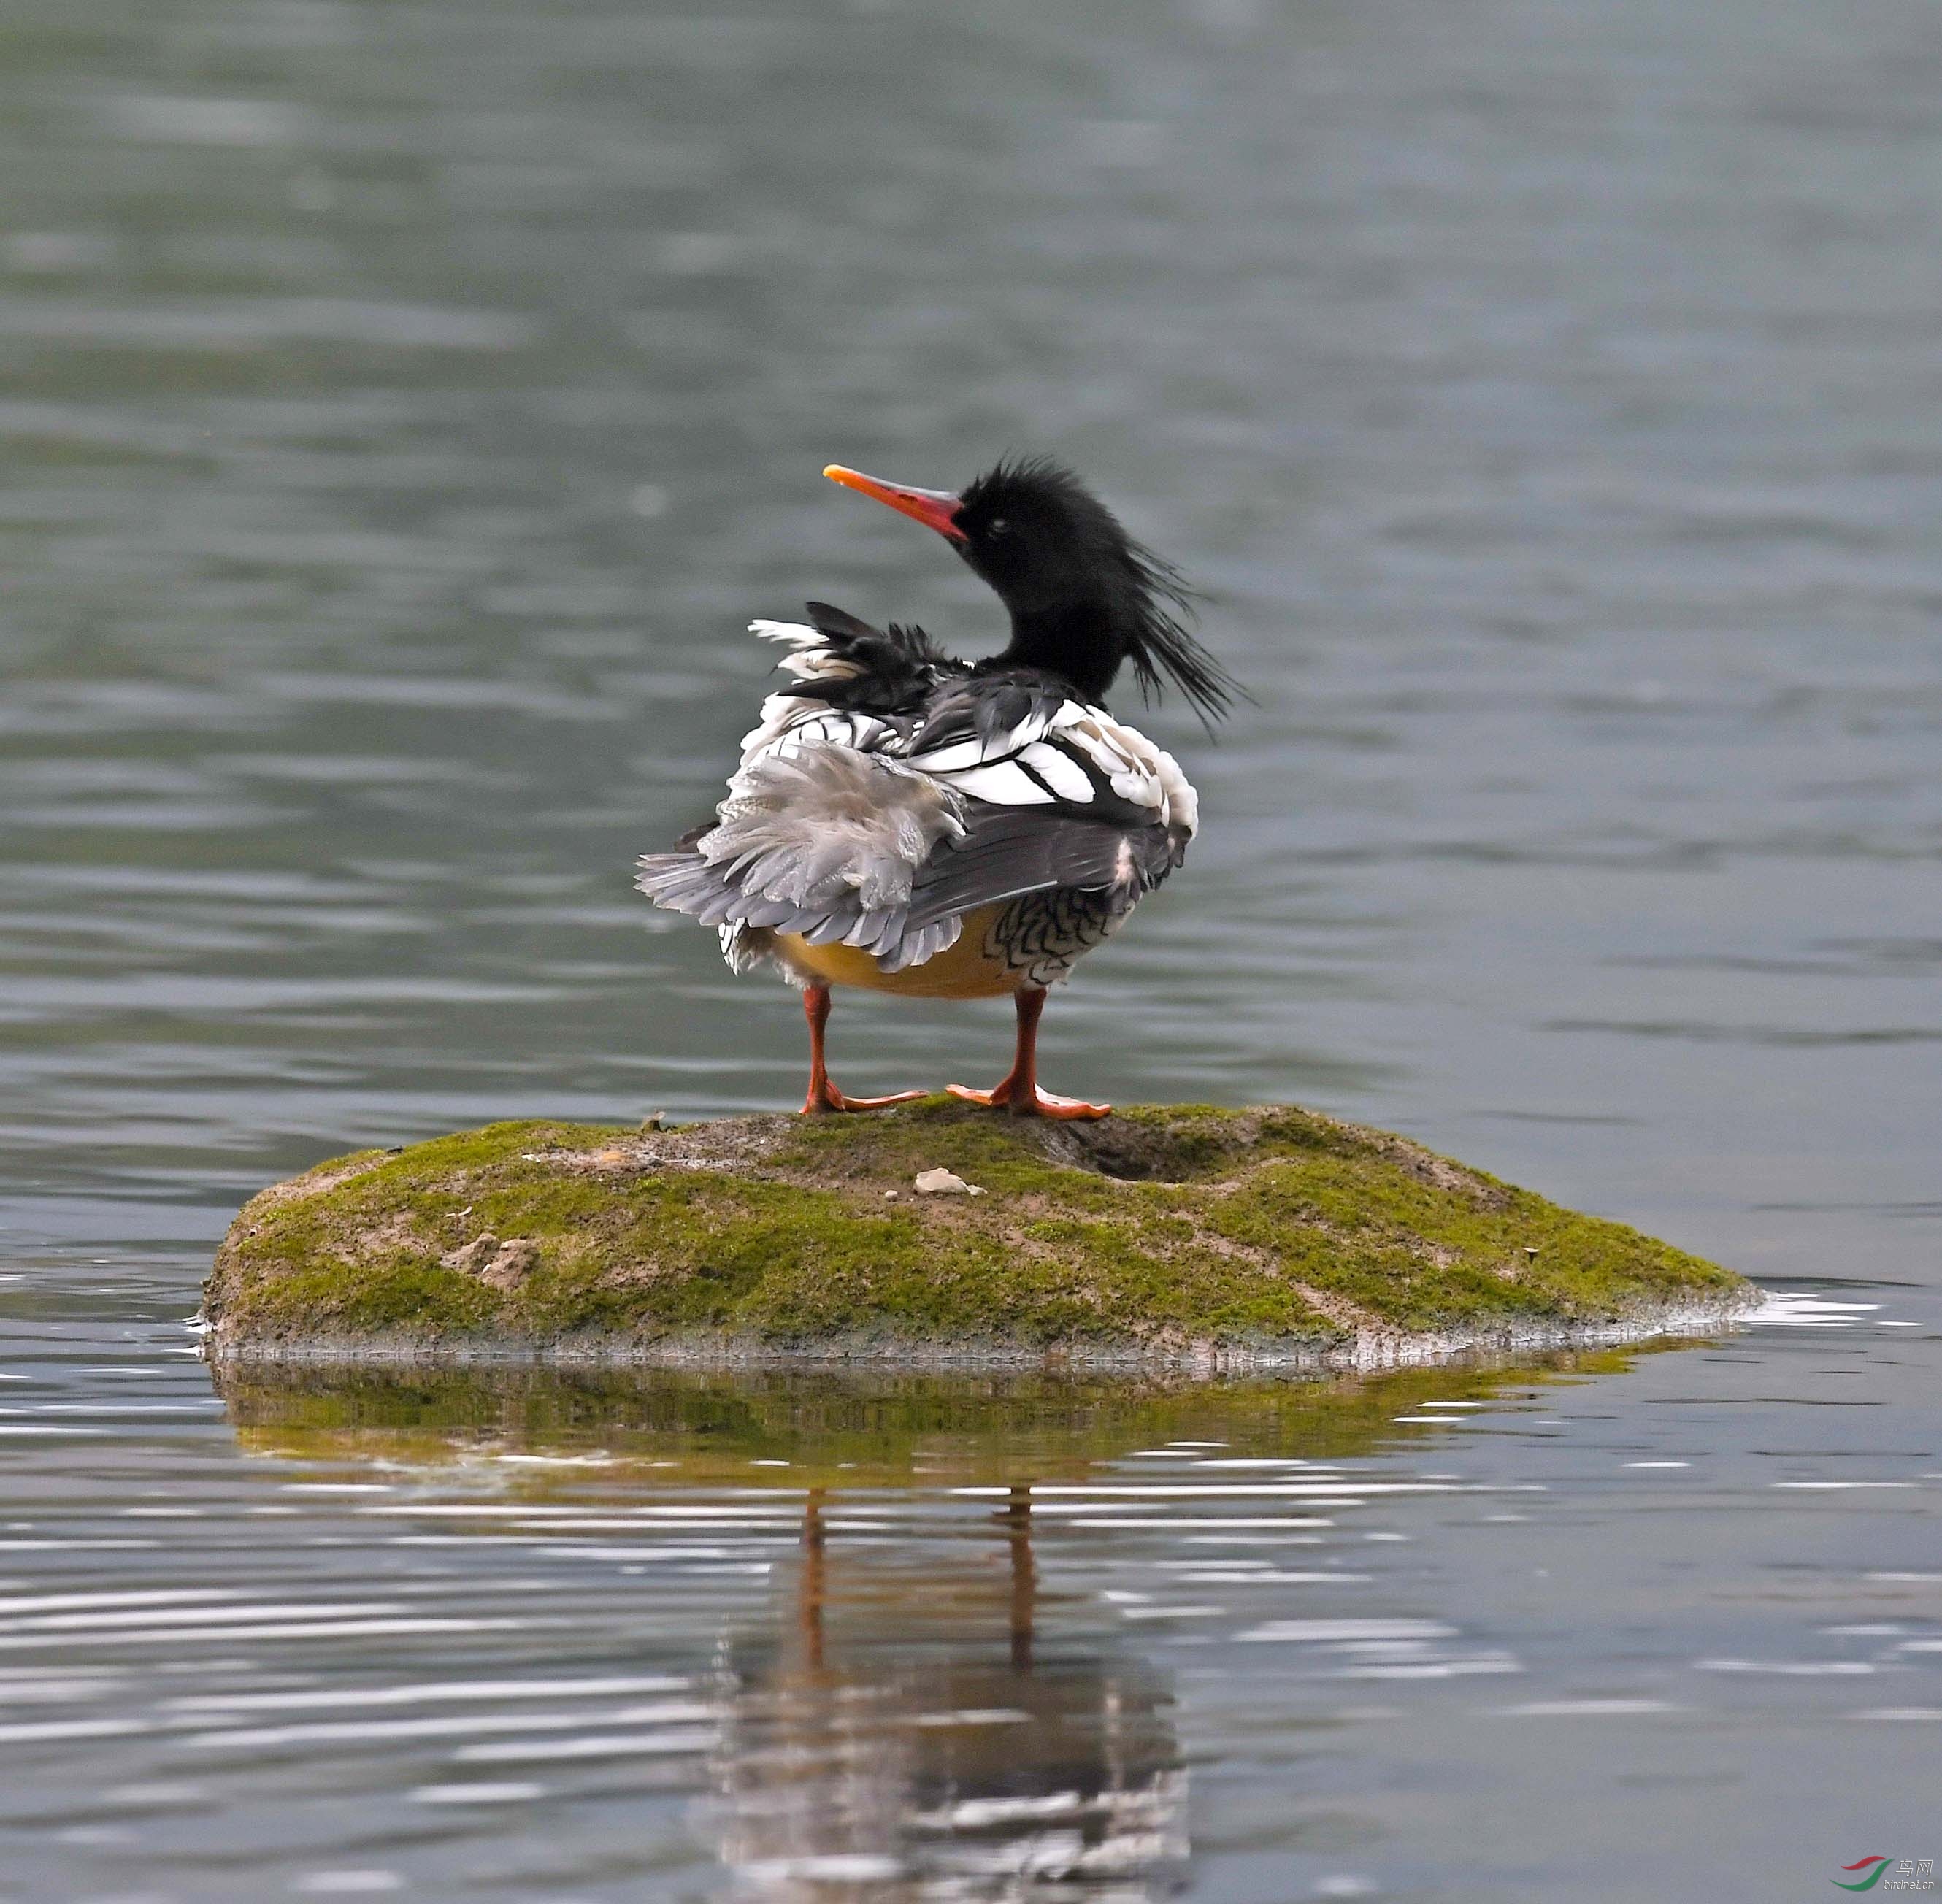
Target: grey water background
(406, 405)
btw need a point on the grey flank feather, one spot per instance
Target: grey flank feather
(829, 827)
(825, 842)
(926, 942)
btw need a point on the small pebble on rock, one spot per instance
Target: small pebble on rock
(945, 1183)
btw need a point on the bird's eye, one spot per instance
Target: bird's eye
(997, 526)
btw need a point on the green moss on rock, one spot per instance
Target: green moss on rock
(1165, 1232)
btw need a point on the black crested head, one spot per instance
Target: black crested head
(1084, 596)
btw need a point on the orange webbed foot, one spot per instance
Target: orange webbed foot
(828, 1098)
(1031, 1102)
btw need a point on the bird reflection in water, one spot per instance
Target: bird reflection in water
(901, 1734)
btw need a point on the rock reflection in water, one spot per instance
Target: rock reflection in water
(899, 1600)
(907, 1732)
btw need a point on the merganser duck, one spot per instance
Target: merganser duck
(909, 823)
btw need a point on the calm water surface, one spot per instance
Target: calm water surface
(405, 404)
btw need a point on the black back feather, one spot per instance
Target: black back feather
(898, 668)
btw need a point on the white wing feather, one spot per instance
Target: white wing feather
(828, 818)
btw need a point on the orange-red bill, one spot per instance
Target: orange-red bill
(936, 509)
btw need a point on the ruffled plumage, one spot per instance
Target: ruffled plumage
(890, 790)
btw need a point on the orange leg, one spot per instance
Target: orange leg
(823, 1096)
(1018, 1092)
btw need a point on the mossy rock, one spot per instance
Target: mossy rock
(1179, 1234)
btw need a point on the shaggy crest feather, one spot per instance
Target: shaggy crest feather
(1151, 602)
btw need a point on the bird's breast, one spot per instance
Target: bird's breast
(1035, 939)
(976, 965)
